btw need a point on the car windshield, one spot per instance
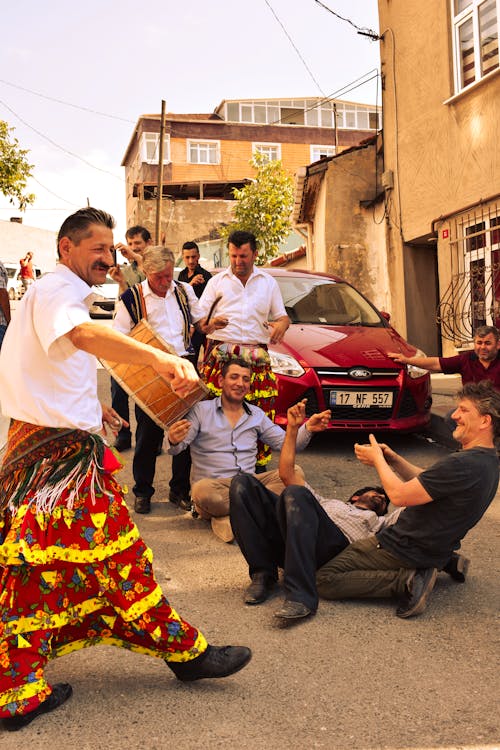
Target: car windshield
(310, 300)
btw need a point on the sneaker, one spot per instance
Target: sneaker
(216, 661)
(61, 691)
(419, 584)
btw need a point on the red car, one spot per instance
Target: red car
(335, 355)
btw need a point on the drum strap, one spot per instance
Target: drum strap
(183, 302)
(133, 299)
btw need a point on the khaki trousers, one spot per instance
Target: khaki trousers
(211, 496)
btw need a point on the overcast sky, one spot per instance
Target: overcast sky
(75, 77)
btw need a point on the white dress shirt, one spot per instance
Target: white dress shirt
(164, 315)
(248, 307)
(44, 379)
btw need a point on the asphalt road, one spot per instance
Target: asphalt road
(353, 677)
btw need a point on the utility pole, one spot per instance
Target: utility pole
(160, 174)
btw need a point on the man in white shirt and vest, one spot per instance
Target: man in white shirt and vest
(171, 308)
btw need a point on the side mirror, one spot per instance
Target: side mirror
(385, 315)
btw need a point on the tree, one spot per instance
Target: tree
(14, 169)
(264, 207)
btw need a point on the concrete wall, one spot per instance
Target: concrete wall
(16, 239)
(183, 220)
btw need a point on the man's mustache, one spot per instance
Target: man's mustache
(101, 267)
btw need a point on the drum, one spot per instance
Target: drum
(150, 390)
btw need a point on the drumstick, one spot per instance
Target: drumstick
(212, 308)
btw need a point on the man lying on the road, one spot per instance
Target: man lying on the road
(442, 504)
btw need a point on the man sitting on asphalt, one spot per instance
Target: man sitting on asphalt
(223, 434)
(481, 363)
(442, 504)
(299, 530)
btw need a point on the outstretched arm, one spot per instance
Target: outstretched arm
(106, 343)
(426, 363)
(295, 417)
(400, 492)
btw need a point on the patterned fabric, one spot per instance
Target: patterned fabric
(263, 388)
(78, 576)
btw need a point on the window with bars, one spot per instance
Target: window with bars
(203, 152)
(475, 40)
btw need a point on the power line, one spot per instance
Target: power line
(364, 30)
(66, 151)
(294, 46)
(66, 104)
(52, 193)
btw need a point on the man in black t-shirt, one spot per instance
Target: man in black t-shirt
(442, 504)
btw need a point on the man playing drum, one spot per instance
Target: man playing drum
(75, 571)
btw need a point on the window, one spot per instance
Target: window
(203, 152)
(271, 150)
(475, 40)
(318, 152)
(150, 145)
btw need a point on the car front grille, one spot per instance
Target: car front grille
(408, 406)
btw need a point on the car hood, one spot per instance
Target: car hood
(342, 346)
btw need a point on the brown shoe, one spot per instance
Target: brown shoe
(221, 526)
(260, 588)
(291, 612)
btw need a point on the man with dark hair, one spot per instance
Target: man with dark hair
(223, 434)
(251, 301)
(197, 277)
(138, 240)
(442, 504)
(75, 571)
(481, 363)
(27, 273)
(298, 530)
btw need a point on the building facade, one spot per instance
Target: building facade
(441, 108)
(205, 156)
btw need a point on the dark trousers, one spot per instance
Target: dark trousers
(148, 437)
(119, 402)
(291, 531)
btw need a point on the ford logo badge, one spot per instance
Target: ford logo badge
(360, 373)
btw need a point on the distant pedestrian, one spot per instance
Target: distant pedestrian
(27, 273)
(4, 302)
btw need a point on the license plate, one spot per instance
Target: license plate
(361, 399)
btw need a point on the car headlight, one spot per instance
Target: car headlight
(285, 364)
(416, 372)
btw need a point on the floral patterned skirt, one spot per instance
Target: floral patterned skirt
(75, 578)
(263, 388)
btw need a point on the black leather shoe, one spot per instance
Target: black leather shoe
(216, 661)
(292, 612)
(182, 501)
(457, 567)
(259, 589)
(420, 585)
(123, 442)
(61, 691)
(142, 505)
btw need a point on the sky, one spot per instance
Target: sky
(75, 77)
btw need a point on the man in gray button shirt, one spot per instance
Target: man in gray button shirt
(223, 436)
